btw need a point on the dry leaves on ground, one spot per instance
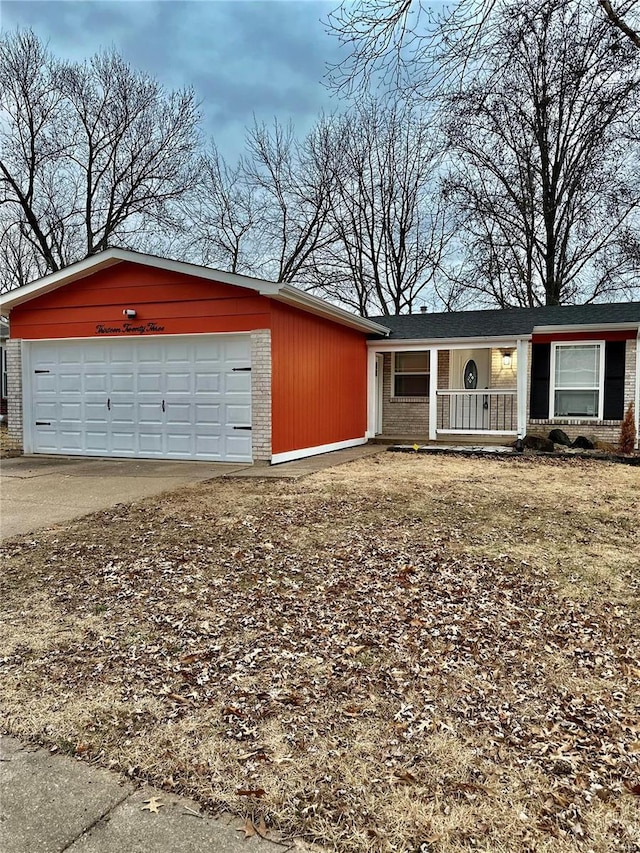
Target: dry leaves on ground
(400, 654)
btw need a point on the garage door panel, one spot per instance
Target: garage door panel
(150, 413)
(71, 411)
(150, 355)
(123, 413)
(122, 383)
(235, 349)
(45, 383)
(122, 353)
(70, 383)
(166, 397)
(208, 414)
(71, 440)
(96, 354)
(178, 353)
(96, 441)
(96, 382)
(179, 383)
(47, 439)
(150, 442)
(237, 415)
(207, 383)
(179, 413)
(150, 382)
(123, 442)
(70, 356)
(95, 412)
(179, 443)
(237, 447)
(237, 383)
(46, 411)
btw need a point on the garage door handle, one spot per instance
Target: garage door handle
(241, 370)
(241, 427)
(109, 403)
(163, 409)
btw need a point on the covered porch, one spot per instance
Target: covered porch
(467, 391)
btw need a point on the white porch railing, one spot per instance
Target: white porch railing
(482, 410)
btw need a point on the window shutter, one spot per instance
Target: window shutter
(540, 367)
(614, 380)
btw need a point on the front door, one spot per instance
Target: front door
(470, 373)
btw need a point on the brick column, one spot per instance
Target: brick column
(261, 395)
(14, 389)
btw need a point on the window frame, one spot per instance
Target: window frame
(395, 372)
(555, 346)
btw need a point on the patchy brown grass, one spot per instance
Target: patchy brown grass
(400, 654)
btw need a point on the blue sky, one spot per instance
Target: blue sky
(266, 57)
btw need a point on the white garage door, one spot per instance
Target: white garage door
(173, 398)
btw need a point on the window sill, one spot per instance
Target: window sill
(408, 399)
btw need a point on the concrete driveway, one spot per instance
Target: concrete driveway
(39, 491)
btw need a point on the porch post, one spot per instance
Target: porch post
(372, 390)
(636, 407)
(522, 349)
(433, 388)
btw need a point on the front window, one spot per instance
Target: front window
(577, 378)
(411, 374)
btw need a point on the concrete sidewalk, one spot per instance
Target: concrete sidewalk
(52, 803)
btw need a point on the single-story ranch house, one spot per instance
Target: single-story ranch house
(131, 355)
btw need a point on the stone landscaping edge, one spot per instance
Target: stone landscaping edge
(502, 451)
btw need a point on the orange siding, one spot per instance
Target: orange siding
(319, 381)
(174, 304)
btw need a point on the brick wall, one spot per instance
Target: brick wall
(14, 389)
(601, 430)
(261, 395)
(402, 416)
(501, 376)
(503, 408)
(444, 409)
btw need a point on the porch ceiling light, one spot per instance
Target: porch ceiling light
(506, 358)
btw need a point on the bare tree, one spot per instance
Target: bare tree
(540, 105)
(545, 163)
(31, 150)
(92, 154)
(618, 19)
(386, 219)
(420, 47)
(222, 216)
(291, 182)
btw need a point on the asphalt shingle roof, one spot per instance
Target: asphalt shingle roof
(506, 322)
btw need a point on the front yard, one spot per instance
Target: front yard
(399, 654)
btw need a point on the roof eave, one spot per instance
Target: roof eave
(109, 257)
(301, 299)
(493, 340)
(585, 327)
(275, 290)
